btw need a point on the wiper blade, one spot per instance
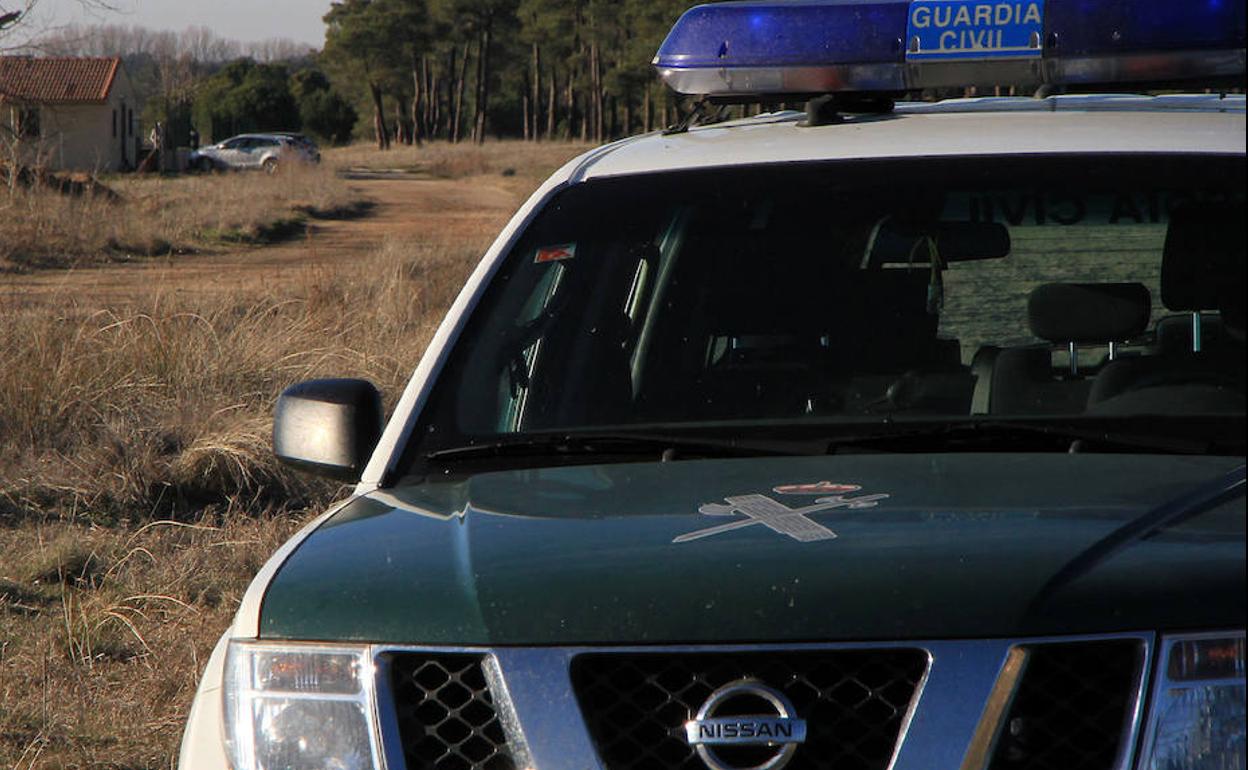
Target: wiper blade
(660, 446)
(995, 431)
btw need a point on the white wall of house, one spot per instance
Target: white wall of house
(86, 137)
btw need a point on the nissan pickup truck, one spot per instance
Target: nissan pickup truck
(891, 434)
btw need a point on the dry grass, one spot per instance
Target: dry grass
(173, 399)
(160, 216)
(453, 161)
(96, 670)
(138, 494)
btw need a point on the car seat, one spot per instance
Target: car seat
(1202, 269)
(1022, 380)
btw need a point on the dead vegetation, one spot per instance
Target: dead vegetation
(102, 631)
(138, 494)
(443, 160)
(42, 225)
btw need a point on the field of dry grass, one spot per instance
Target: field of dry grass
(524, 160)
(164, 215)
(138, 494)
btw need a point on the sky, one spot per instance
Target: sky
(242, 20)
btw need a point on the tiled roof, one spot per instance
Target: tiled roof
(57, 80)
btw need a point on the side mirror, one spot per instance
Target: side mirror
(328, 427)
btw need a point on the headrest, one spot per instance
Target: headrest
(1088, 312)
(1202, 266)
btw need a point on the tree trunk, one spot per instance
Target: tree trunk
(459, 96)
(483, 83)
(646, 116)
(550, 106)
(524, 108)
(537, 92)
(628, 115)
(379, 118)
(435, 99)
(451, 69)
(571, 108)
(595, 96)
(435, 108)
(476, 85)
(426, 96)
(419, 110)
(586, 109)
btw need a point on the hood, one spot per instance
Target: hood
(891, 547)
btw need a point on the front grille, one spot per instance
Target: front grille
(446, 714)
(1072, 707)
(853, 701)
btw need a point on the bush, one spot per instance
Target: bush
(245, 96)
(328, 116)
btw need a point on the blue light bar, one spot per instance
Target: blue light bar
(800, 47)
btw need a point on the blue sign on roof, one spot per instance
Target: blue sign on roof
(974, 29)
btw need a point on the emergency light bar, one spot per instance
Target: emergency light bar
(756, 48)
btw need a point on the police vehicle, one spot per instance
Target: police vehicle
(881, 435)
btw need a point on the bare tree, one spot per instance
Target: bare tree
(20, 23)
(197, 43)
(277, 49)
(203, 45)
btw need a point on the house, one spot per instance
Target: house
(67, 113)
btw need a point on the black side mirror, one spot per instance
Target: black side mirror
(328, 427)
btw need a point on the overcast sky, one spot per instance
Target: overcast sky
(242, 20)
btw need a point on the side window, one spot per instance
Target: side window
(517, 375)
(28, 122)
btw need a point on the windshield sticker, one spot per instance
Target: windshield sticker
(555, 253)
(1026, 208)
(780, 518)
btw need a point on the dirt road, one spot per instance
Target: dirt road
(405, 207)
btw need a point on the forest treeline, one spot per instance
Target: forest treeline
(410, 70)
(532, 69)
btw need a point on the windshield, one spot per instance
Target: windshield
(841, 293)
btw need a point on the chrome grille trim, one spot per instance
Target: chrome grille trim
(854, 702)
(994, 723)
(532, 686)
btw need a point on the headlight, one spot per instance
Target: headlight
(299, 707)
(1197, 718)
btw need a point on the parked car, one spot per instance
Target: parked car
(888, 436)
(266, 152)
(304, 141)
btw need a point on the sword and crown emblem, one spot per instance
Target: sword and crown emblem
(780, 518)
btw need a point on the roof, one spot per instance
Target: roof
(1200, 124)
(57, 80)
